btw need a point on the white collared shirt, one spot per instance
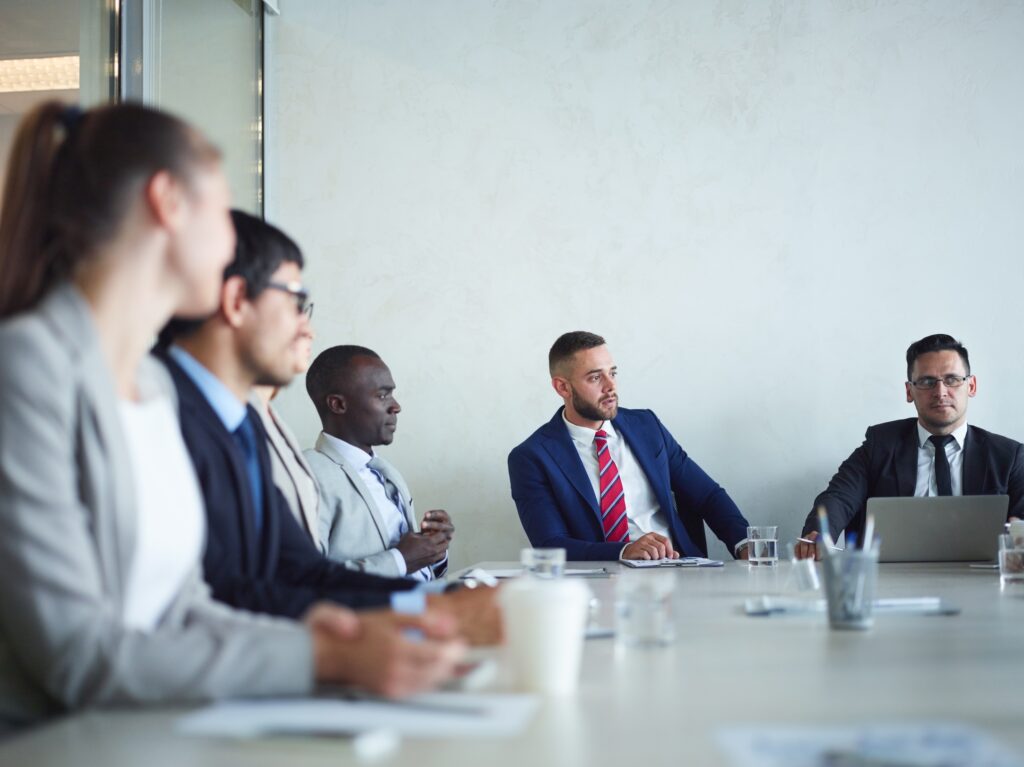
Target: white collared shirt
(395, 523)
(170, 520)
(642, 508)
(926, 462)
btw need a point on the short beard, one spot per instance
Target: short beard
(590, 412)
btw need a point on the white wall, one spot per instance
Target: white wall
(760, 205)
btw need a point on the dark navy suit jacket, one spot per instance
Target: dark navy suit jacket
(280, 571)
(558, 508)
(885, 466)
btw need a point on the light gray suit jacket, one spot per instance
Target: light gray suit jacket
(351, 524)
(67, 534)
(292, 475)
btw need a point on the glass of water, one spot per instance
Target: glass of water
(643, 609)
(543, 563)
(763, 546)
(1011, 560)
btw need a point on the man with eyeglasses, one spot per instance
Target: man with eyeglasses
(937, 453)
(257, 556)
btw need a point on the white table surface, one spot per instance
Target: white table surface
(663, 706)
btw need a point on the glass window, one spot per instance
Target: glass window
(53, 49)
(204, 63)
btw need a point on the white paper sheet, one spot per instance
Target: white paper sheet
(437, 715)
(915, 745)
(515, 573)
(681, 562)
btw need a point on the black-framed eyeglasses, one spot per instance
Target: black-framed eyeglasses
(930, 382)
(302, 303)
(308, 311)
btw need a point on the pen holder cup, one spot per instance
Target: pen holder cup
(850, 580)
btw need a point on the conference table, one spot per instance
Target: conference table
(674, 704)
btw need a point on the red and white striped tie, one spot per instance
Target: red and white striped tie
(613, 497)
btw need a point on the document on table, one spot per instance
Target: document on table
(910, 745)
(681, 562)
(435, 715)
(765, 605)
(588, 572)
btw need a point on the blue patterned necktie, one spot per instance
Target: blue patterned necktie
(245, 436)
(390, 490)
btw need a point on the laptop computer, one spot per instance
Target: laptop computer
(950, 528)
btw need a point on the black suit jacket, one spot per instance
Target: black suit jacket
(885, 466)
(279, 572)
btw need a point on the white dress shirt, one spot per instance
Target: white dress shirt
(926, 462)
(171, 522)
(642, 508)
(394, 517)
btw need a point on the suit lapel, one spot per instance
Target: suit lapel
(562, 450)
(74, 321)
(906, 461)
(309, 513)
(193, 404)
(643, 451)
(973, 466)
(352, 473)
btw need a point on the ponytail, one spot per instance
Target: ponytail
(25, 270)
(71, 181)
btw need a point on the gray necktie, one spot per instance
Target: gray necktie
(390, 490)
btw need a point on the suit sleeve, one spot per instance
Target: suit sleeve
(1015, 487)
(540, 514)
(698, 494)
(846, 494)
(303, 576)
(62, 631)
(331, 511)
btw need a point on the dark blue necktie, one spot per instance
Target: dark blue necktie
(245, 436)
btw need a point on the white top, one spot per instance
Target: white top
(926, 462)
(394, 518)
(642, 508)
(171, 522)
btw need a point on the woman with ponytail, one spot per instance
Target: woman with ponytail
(112, 221)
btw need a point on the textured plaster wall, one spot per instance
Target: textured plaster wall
(758, 204)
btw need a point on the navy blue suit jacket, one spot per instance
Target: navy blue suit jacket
(885, 466)
(280, 571)
(558, 508)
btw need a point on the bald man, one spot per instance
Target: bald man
(367, 517)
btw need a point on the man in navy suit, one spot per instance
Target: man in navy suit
(606, 483)
(257, 556)
(937, 453)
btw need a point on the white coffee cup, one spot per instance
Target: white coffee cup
(544, 625)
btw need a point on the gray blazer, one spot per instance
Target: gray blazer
(292, 475)
(351, 524)
(67, 531)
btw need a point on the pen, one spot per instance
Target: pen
(826, 536)
(869, 531)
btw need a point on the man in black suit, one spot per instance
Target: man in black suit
(257, 556)
(937, 453)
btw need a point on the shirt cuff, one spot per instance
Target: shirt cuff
(738, 546)
(412, 602)
(400, 561)
(622, 552)
(440, 567)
